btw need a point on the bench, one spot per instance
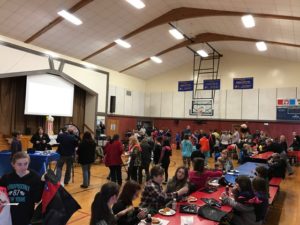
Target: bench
(273, 190)
(294, 154)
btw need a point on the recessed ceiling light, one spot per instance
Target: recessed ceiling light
(248, 21)
(136, 3)
(202, 53)
(52, 54)
(176, 34)
(123, 43)
(156, 59)
(70, 17)
(261, 46)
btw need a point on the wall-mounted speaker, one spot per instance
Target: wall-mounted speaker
(112, 108)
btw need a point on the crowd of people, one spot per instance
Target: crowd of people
(147, 165)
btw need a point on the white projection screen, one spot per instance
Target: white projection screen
(49, 95)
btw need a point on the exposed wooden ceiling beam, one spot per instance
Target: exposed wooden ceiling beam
(208, 37)
(187, 13)
(57, 20)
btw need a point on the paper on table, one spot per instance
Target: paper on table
(186, 220)
(164, 222)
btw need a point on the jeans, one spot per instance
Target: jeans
(116, 174)
(86, 173)
(60, 163)
(133, 172)
(144, 166)
(207, 155)
(284, 156)
(165, 166)
(186, 161)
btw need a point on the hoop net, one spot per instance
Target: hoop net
(200, 111)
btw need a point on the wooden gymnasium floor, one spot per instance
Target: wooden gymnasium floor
(284, 211)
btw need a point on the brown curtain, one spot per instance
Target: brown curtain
(12, 104)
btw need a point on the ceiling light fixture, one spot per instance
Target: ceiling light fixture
(176, 34)
(248, 21)
(123, 43)
(136, 3)
(202, 53)
(156, 59)
(261, 46)
(70, 17)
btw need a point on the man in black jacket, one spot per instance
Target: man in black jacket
(67, 144)
(146, 160)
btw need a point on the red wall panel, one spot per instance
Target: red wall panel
(273, 129)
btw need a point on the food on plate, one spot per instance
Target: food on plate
(155, 220)
(192, 199)
(166, 210)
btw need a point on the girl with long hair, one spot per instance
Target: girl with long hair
(102, 205)
(135, 153)
(131, 215)
(86, 156)
(179, 180)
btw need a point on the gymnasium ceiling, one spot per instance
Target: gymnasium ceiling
(36, 22)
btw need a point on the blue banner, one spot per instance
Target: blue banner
(243, 83)
(212, 84)
(288, 113)
(186, 85)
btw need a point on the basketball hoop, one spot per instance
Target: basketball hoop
(200, 111)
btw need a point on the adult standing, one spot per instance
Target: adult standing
(235, 136)
(146, 160)
(113, 151)
(40, 140)
(187, 149)
(157, 150)
(225, 139)
(86, 156)
(165, 158)
(135, 153)
(283, 154)
(67, 144)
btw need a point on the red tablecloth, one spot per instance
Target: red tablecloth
(174, 220)
(265, 155)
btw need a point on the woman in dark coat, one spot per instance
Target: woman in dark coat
(164, 159)
(86, 156)
(40, 140)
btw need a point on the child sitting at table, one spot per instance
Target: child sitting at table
(153, 196)
(225, 161)
(23, 187)
(199, 176)
(262, 202)
(123, 208)
(262, 172)
(241, 202)
(197, 152)
(277, 166)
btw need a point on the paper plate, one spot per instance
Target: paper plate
(171, 212)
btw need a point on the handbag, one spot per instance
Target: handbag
(211, 213)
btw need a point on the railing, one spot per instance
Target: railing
(89, 129)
